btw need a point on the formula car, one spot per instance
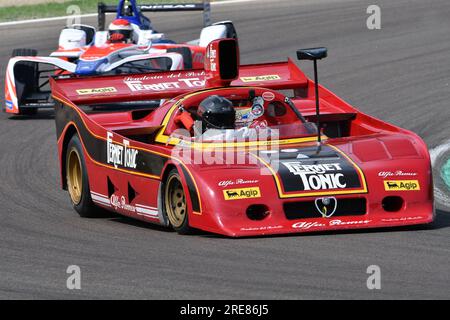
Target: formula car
(130, 45)
(236, 150)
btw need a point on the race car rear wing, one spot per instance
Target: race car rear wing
(221, 70)
(204, 6)
(163, 85)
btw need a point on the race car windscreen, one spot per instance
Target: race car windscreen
(248, 120)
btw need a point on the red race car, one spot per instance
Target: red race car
(224, 151)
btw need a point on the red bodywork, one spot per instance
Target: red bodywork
(385, 177)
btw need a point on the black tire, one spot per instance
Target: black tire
(23, 52)
(179, 225)
(84, 206)
(27, 78)
(187, 56)
(440, 161)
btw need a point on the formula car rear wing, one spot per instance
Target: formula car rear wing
(135, 10)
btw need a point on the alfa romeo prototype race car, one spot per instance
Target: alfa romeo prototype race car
(131, 45)
(235, 150)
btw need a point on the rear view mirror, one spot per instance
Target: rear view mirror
(222, 62)
(312, 53)
(219, 30)
(101, 38)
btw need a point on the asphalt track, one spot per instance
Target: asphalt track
(400, 74)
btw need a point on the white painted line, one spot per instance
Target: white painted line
(12, 23)
(230, 2)
(101, 203)
(146, 207)
(148, 213)
(100, 195)
(100, 199)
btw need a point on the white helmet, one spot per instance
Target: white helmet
(120, 30)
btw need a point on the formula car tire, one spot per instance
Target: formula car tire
(440, 161)
(187, 56)
(27, 75)
(175, 203)
(79, 191)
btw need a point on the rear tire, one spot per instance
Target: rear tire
(77, 180)
(175, 203)
(27, 78)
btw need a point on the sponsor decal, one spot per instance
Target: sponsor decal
(326, 206)
(212, 55)
(401, 185)
(139, 85)
(268, 96)
(269, 77)
(318, 176)
(402, 219)
(166, 78)
(257, 110)
(304, 225)
(167, 6)
(9, 105)
(303, 172)
(398, 173)
(96, 91)
(198, 57)
(264, 228)
(118, 154)
(307, 225)
(121, 203)
(244, 193)
(226, 183)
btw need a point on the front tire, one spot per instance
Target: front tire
(77, 180)
(175, 203)
(440, 162)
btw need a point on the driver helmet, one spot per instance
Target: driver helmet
(120, 30)
(217, 112)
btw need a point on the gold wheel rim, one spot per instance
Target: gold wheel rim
(74, 176)
(175, 201)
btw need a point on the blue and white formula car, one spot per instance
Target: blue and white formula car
(129, 45)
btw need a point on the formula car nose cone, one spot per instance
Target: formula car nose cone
(445, 174)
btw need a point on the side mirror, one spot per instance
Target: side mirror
(101, 38)
(312, 53)
(222, 62)
(231, 30)
(70, 39)
(219, 30)
(315, 54)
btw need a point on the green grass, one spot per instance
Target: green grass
(60, 9)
